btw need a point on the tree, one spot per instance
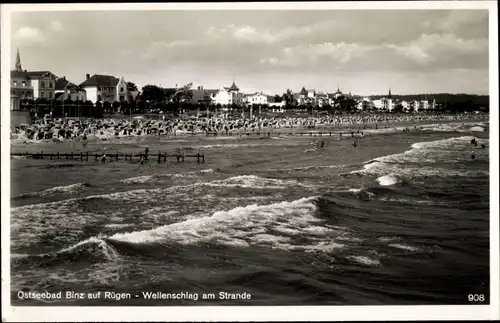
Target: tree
(98, 111)
(288, 97)
(152, 93)
(131, 86)
(115, 106)
(183, 95)
(168, 93)
(106, 106)
(346, 103)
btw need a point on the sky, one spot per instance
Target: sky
(364, 52)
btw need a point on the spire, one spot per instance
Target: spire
(234, 87)
(19, 68)
(390, 95)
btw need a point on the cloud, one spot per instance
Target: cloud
(430, 48)
(56, 25)
(158, 48)
(29, 34)
(463, 18)
(340, 53)
(249, 34)
(429, 51)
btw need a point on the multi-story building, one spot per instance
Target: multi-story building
(67, 90)
(106, 88)
(306, 96)
(20, 89)
(201, 95)
(256, 98)
(227, 95)
(30, 84)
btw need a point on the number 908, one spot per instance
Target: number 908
(476, 297)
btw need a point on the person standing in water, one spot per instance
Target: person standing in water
(473, 156)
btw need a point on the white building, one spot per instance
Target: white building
(256, 98)
(378, 104)
(227, 95)
(106, 88)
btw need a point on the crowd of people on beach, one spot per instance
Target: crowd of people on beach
(106, 129)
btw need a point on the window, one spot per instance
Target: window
(121, 89)
(22, 93)
(24, 84)
(42, 85)
(42, 94)
(50, 84)
(13, 92)
(50, 94)
(15, 83)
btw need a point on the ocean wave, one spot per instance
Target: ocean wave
(93, 249)
(426, 159)
(403, 247)
(253, 181)
(227, 223)
(387, 180)
(148, 178)
(477, 129)
(66, 189)
(364, 260)
(137, 179)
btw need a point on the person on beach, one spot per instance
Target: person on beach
(483, 146)
(103, 159)
(473, 156)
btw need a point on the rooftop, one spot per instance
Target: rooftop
(100, 80)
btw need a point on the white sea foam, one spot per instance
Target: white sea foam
(387, 180)
(410, 163)
(118, 225)
(364, 260)
(65, 189)
(403, 247)
(137, 180)
(253, 181)
(247, 223)
(386, 239)
(477, 129)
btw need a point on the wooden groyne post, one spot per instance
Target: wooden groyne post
(180, 156)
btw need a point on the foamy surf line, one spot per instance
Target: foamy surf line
(147, 178)
(417, 154)
(66, 189)
(242, 181)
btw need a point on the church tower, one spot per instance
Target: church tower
(19, 68)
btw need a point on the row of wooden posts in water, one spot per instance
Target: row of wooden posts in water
(161, 157)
